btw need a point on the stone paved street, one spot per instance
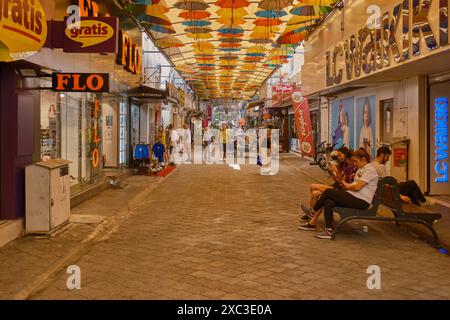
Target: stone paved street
(211, 232)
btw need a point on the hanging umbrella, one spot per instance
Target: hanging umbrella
(303, 10)
(196, 23)
(303, 19)
(230, 30)
(274, 4)
(261, 41)
(232, 13)
(327, 3)
(194, 15)
(229, 57)
(230, 45)
(230, 35)
(232, 3)
(156, 9)
(234, 20)
(296, 28)
(291, 38)
(198, 36)
(267, 22)
(198, 30)
(191, 5)
(147, 1)
(160, 19)
(160, 28)
(202, 46)
(271, 13)
(229, 49)
(169, 42)
(230, 40)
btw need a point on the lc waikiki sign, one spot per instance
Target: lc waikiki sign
(376, 46)
(441, 140)
(23, 29)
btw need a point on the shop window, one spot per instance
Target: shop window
(386, 117)
(123, 135)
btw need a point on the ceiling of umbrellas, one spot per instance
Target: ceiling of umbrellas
(227, 48)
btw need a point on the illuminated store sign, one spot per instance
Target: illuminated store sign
(370, 48)
(129, 55)
(23, 29)
(80, 82)
(441, 139)
(95, 155)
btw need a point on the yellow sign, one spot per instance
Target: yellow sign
(23, 29)
(90, 32)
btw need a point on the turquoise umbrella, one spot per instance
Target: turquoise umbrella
(271, 14)
(196, 23)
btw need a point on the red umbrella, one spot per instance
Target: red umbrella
(194, 15)
(263, 22)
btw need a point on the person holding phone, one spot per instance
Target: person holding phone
(343, 172)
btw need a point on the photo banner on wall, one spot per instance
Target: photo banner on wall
(342, 122)
(366, 124)
(303, 123)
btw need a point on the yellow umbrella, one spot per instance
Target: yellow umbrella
(227, 20)
(156, 9)
(197, 36)
(302, 19)
(169, 42)
(327, 3)
(229, 13)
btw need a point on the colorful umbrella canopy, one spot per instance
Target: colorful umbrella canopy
(267, 22)
(160, 28)
(159, 20)
(303, 19)
(291, 38)
(198, 30)
(230, 30)
(232, 3)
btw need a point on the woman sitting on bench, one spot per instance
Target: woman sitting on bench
(357, 195)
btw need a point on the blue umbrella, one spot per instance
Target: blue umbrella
(254, 54)
(206, 64)
(229, 49)
(196, 23)
(231, 30)
(271, 13)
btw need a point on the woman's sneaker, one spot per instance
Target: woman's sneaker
(325, 234)
(305, 209)
(307, 227)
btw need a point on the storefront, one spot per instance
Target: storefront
(380, 90)
(85, 120)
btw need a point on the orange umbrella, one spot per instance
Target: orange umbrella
(194, 15)
(291, 38)
(267, 22)
(232, 3)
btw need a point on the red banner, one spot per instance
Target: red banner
(303, 123)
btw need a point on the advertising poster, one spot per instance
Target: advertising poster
(303, 123)
(365, 124)
(342, 122)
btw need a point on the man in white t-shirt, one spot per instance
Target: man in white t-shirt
(383, 155)
(173, 143)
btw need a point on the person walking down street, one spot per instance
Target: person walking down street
(223, 137)
(207, 141)
(357, 195)
(187, 142)
(265, 149)
(173, 143)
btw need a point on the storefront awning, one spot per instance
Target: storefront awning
(253, 104)
(147, 93)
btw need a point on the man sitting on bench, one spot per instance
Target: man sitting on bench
(409, 190)
(357, 195)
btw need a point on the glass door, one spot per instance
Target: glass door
(123, 135)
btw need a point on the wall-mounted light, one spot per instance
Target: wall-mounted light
(28, 72)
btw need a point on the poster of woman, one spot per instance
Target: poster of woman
(365, 124)
(342, 122)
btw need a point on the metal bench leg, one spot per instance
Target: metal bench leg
(341, 222)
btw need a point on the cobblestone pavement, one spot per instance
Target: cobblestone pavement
(211, 232)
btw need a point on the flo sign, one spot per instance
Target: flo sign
(23, 29)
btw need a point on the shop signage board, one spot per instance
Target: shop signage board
(23, 29)
(129, 54)
(439, 127)
(94, 35)
(282, 88)
(303, 123)
(172, 92)
(95, 155)
(365, 44)
(80, 82)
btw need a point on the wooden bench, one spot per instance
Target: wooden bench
(387, 194)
